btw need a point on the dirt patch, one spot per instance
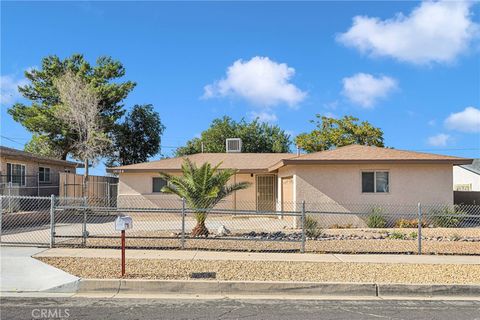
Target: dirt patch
(271, 270)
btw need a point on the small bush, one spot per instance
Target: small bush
(312, 230)
(447, 217)
(413, 235)
(376, 219)
(397, 235)
(408, 223)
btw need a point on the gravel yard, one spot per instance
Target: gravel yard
(364, 240)
(272, 270)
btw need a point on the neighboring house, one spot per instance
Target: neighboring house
(467, 177)
(353, 174)
(24, 173)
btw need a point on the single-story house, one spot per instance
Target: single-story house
(24, 173)
(466, 183)
(467, 177)
(352, 174)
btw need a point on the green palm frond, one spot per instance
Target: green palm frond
(202, 187)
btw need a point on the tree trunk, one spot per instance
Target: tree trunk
(85, 180)
(200, 230)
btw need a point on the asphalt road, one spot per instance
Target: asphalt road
(119, 309)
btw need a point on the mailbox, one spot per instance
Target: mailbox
(123, 223)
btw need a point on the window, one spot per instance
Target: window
(43, 174)
(16, 174)
(375, 182)
(158, 184)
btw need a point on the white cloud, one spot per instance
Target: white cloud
(365, 89)
(260, 81)
(9, 88)
(439, 140)
(264, 116)
(435, 31)
(329, 115)
(332, 105)
(467, 120)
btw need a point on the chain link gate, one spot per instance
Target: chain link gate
(25, 220)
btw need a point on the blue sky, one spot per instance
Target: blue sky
(410, 68)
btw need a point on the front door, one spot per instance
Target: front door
(266, 192)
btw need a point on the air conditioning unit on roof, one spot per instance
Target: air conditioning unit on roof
(234, 145)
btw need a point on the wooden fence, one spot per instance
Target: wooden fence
(98, 187)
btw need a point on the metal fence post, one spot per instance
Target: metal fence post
(1, 216)
(182, 241)
(302, 248)
(10, 196)
(84, 225)
(419, 236)
(52, 221)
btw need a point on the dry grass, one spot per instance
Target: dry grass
(272, 271)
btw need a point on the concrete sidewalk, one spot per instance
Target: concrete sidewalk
(248, 256)
(21, 273)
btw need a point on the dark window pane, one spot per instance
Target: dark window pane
(9, 172)
(44, 174)
(381, 181)
(368, 184)
(41, 174)
(158, 184)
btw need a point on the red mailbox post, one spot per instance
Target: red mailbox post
(123, 223)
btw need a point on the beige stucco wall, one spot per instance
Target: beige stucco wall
(337, 188)
(464, 176)
(409, 184)
(135, 189)
(31, 172)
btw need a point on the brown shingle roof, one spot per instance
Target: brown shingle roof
(359, 153)
(263, 162)
(250, 162)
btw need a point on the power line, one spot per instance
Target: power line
(12, 140)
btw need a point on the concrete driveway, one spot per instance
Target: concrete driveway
(21, 273)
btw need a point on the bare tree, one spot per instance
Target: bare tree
(80, 110)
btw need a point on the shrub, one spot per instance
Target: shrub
(413, 235)
(447, 217)
(408, 223)
(376, 219)
(397, 235)
(312, 230)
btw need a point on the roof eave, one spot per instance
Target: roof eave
(286, 162)
(147, 170)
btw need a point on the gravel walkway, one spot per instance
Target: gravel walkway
(272, 270)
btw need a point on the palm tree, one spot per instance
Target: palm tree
(202, 188)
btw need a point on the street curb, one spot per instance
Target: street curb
(206, 287)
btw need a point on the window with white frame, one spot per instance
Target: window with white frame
(375, 182)
(16, 174)
(43, 174)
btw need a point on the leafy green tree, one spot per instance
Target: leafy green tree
(257, 137)
(40, 144)
(138, 136)
(39, 118)
(331, 132)
(202, 188)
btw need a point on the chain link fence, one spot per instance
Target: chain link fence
(166, 222)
